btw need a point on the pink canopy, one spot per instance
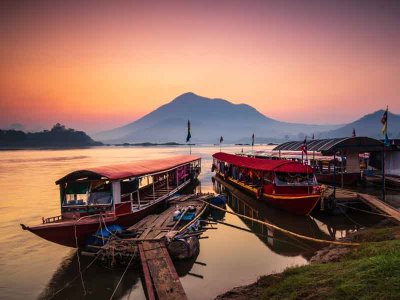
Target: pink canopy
(139, 168)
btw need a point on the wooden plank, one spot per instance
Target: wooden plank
(380, 205)
(146, 273)
(163, 274)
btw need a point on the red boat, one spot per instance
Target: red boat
(95, 198)
(284, 184)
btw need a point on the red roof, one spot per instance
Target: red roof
(134, 169)
(262, 164)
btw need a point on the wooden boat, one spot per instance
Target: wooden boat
(95, 198)
(284, 184)
(323, 165)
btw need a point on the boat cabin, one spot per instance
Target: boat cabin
(126, 188)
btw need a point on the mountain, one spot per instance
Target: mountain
(210, 118)
(369, 125)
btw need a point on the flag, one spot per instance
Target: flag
(188, 133)
(221, 139)
(384, 121)
(304, 146)
(252, 140)
(354, 133)
(313, 136)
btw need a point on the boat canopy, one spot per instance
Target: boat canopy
(286, 166)
(331, 146)
(129, 170)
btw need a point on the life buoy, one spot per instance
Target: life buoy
(259, 193)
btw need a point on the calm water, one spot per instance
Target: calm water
(34, 268)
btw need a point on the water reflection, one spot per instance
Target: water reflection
(319, 225)
(98, 281)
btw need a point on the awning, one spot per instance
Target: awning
(129, 170)
(261, 164)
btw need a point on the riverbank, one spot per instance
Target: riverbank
(369, 271)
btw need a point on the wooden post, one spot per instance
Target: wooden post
(168, 182)
(138, 196)
(383, 174)
(341, 168)
(334, 173)
(154, 191)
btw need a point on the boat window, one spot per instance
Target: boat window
(100, 193)
(88, 193)
(268, 177)
(128, 187)
(294, 179)
(76, 193)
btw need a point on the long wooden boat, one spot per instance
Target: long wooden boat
(323, 165)
(284, 184)
(95, 198)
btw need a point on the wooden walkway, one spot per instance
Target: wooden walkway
(380, 205)
(159, 272)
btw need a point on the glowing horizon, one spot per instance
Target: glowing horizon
(98, 65)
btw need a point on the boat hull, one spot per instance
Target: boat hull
(64, 232)
(295, 204)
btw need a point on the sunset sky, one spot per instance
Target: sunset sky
(95, 65)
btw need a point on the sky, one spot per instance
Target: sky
(96, 65)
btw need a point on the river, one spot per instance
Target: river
(32, 268)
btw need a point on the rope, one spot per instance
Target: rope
(366, 211)
(307, 248)
(351, 220)
(123, 274)
(73, 279)
(79, 260)
(284, 230)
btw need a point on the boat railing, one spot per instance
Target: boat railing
(51, 219)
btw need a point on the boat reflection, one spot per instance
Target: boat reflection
(98, 281)
(277, 241)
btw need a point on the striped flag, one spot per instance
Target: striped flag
(188, 137)
(384, 121)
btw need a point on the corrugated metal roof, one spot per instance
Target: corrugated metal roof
(329, 146)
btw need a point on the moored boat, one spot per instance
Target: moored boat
(284, 184)
(95, 198)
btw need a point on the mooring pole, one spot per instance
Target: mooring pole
(341, 168)
(334, 173)
(383, 173)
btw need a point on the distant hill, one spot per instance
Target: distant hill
(369, 125)
(57, 137)
(210, 118)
